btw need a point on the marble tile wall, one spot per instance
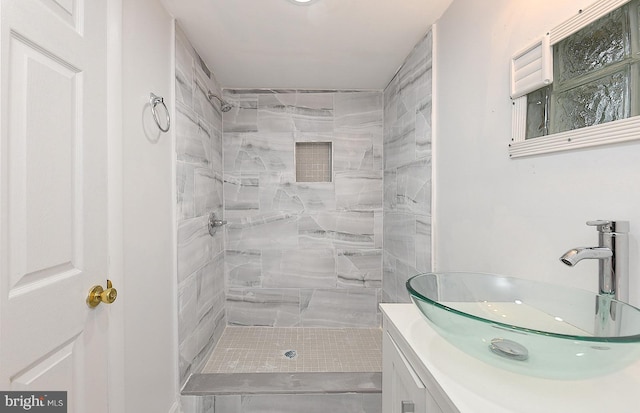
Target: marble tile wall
(284, 403)
(199, 190)
(304, 254)
(407, 172)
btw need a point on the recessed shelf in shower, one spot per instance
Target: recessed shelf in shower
(313, 162)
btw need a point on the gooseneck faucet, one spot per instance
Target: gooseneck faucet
(612, 254)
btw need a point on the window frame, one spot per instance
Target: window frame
(623, 130)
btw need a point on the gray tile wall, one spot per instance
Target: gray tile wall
(310, 253)
(200, 257)
(284, 403)
(407, 172)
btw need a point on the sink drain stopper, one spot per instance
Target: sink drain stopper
(509, 349)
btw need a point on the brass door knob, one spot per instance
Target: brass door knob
(98, 295)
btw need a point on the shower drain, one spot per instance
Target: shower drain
(291, 354)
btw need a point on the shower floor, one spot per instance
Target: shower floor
(271, 350)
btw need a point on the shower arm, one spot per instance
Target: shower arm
(211, 95)
(224, 105)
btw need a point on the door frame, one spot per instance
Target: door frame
(116, 356)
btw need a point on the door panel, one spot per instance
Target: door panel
(67, 10)
(53, 231)
(45, 155)
(54, 371)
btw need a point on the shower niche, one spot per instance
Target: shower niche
(313, 161)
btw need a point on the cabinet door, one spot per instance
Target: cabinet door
(402, 389)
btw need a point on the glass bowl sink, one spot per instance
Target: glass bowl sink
(529, 327)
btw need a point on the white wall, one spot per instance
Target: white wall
(516, 217)
(148, 292)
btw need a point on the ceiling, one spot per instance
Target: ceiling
(329, 44)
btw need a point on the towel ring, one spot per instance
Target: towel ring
(154, 100)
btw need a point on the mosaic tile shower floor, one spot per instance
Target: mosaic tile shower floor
(262, 350)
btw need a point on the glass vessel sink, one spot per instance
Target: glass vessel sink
(529, 327)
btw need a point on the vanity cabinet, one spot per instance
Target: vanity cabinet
(402, 389)
(408, 386)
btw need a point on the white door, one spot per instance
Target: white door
(53, 184)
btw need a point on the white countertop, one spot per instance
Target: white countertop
(477, 387)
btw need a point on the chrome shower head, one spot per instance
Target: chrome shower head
(224, 105)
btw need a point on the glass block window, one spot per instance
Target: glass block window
(596, 72)
(313, 161)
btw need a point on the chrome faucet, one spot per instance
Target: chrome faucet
(612, 254)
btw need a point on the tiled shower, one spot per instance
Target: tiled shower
(200, 257)
(303, 254)
(407, 172)
(295, 253)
